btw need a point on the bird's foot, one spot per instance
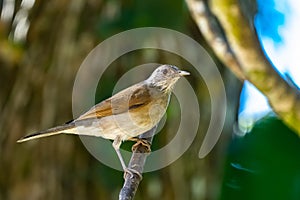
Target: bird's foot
(142, 142)
(132, 172)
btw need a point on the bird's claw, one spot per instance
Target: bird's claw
(142, 142)
(131, 172)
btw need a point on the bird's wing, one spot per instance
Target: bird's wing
(129, 98)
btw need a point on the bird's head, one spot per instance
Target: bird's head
(165, 76)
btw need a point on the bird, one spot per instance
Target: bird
(125, 115)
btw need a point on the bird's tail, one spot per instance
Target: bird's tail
(66, 128)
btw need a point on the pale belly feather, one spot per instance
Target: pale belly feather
(125, 125)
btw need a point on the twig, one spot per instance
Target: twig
(137, 163)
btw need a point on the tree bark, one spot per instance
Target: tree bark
(230, 32)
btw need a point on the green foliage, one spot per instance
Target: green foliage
(264, 164)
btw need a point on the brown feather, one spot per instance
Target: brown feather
(135, 96)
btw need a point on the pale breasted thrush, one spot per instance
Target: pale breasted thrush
(127, 114)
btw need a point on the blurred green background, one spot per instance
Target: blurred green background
(264, 164)
(43, 43)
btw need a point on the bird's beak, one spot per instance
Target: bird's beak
(184, 73)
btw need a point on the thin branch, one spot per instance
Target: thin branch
(248, 56)
(136, 163)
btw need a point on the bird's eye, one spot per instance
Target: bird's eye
(165, 71)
